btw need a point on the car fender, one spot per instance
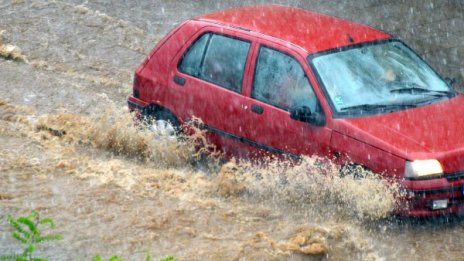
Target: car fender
(351, 150)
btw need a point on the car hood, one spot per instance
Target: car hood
(416, 133)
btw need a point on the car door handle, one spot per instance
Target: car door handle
(179, 80)
(257, 109)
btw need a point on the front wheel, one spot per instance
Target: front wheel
(354, 170)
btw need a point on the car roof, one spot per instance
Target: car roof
(310, 30)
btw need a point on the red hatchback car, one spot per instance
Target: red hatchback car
(294, 82)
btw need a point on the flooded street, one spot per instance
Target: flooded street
(68, 150)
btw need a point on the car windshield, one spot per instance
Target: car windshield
(378, 77)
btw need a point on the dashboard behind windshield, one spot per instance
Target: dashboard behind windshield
(378, 75)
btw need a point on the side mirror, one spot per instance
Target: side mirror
(304, 114)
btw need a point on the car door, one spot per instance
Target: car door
(207, 77)
(279, 84)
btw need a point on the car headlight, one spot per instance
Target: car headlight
(422, 169)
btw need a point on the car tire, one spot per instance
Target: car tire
(351, 169)
(162, 122)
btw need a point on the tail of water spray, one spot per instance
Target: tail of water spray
(114, 130)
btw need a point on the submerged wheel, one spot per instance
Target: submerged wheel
(162, 123)
(352, 169)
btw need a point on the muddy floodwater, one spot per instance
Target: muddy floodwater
(68, 150)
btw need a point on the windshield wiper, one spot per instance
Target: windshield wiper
(415, 88)
(371, 107)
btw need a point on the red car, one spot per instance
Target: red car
(294, 82)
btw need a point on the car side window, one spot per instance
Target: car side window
(280, 81)
(191, 60)
(217, 59)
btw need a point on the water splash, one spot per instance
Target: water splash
(312, 182)
(157, 167)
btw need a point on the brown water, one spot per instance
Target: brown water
(68, 150)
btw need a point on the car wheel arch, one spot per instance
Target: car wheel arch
(153, 109)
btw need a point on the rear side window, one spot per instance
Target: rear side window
(191, 60)
(217, 59)
(280, 81)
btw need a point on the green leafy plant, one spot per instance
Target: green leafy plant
(167, 258)
(113, 258)
(26, 231)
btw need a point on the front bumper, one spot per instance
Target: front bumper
(420, 195)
